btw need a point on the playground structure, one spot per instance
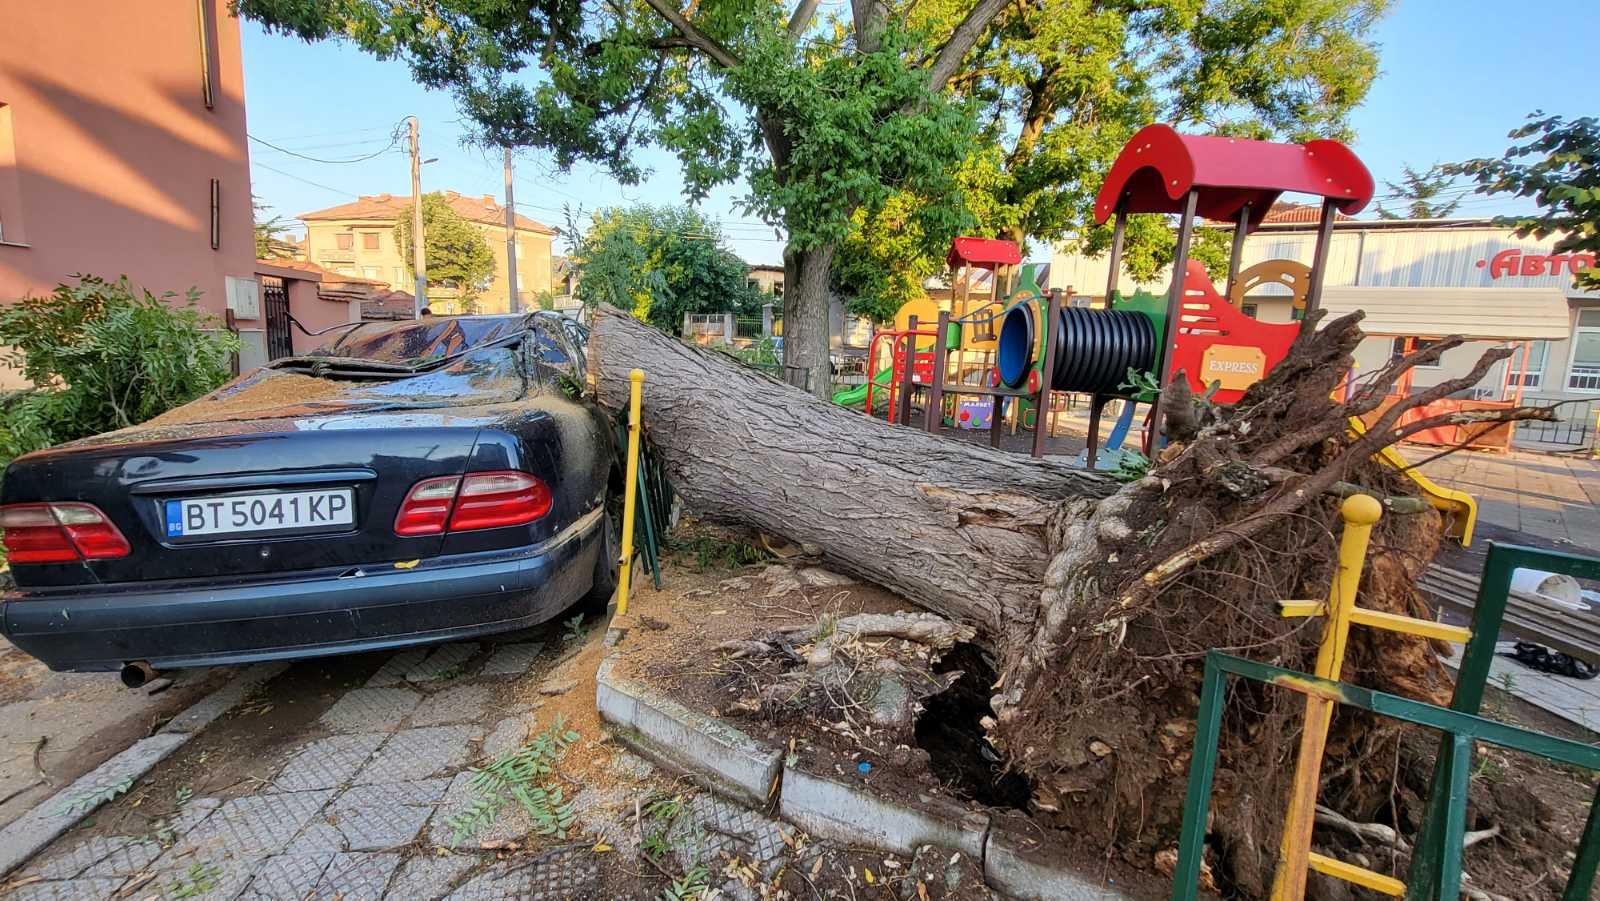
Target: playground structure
(972, 372)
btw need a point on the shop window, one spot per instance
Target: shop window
(1532, 375)
(369, 241)
(10, 188)
(1398, 349)
(1583, 371)
(345, 241)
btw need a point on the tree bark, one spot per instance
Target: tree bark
(956, 528)
(807, 341)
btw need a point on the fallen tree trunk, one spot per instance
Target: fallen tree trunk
(958, 529)
(1099, 599)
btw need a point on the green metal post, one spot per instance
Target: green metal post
(1197, 801)
(1581, 882)
(1488, 612)
(1459, 766)
(651, 551)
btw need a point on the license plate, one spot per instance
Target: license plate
(243, 514)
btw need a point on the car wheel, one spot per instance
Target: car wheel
(605, 562)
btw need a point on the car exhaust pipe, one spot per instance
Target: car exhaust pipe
(137, 673)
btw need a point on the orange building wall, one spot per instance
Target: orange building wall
(114, 148)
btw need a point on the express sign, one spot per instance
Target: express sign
(1509, 263)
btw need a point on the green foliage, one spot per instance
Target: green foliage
(572, 629)
(660, 263)
(457, 253)
(90, 800)
(690, 887)
(272, 234)
(104, 355)
(884, 261)
(1557, 163)
(1062, 84)
(200, 879)
(763, 354)
(524, 776)
(1131, 466)
(819, 118)
(1419, 189)
(713, 550)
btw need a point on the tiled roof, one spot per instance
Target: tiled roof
(322, 273)
(1301, 213)
(388, 207)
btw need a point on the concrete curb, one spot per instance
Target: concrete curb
(843, 813)
(31, 832)
(734, 764)
(731, 763)
(1010, 869)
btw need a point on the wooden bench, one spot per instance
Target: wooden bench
(1528, 616)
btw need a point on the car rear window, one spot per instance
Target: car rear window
(417, 342)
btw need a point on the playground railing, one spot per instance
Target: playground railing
(1435, 871)
(1460, 731)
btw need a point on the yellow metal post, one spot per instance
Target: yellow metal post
(1361, 512)
(630, 491)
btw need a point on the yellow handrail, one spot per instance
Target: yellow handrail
(630, 491)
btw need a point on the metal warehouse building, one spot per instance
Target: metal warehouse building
(1424, 279)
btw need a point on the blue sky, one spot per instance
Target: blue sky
(1456, 76)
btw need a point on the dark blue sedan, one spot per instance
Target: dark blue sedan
(405, 483)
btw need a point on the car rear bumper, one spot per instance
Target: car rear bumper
(194, 623)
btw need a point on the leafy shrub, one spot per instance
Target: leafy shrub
(104, 355)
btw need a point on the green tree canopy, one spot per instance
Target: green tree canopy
(1419, 190)
(457, 253)
(820, 115)
(661, 262)
(1060, 86)
(1557, 163)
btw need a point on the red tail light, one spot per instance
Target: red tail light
(427, 507)
(59, 533)
(478, 500)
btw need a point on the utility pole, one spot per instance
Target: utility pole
(511, 239)
(419, 259)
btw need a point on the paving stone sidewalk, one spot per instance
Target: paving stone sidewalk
(361, 808)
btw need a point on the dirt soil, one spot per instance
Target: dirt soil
(262, 390)
(672, 640)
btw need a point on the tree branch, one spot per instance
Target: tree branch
(963, 39)
(696, 38)
(803, 14)
(869, 16)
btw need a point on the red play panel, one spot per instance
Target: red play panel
(985, 252)
(1158, 166)
(1216, 342)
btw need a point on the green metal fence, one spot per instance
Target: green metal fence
(1436, 861)
(654, 510)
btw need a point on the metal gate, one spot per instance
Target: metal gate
(275, 300)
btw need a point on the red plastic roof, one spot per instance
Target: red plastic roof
(1158, 166)
(987, 252)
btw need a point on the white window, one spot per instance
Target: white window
(1583, 371)
(1533, 374)
(1398, 349)
(372, 272)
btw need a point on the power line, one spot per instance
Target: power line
(393, 140)
(305, 180)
